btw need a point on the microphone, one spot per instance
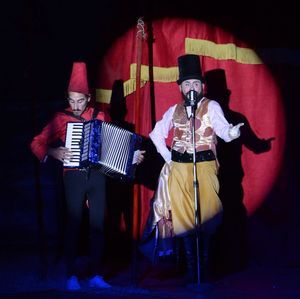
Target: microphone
(190, 103)
(191, 98)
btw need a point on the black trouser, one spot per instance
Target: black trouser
(79, 186)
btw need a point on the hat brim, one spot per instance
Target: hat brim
(195, 77)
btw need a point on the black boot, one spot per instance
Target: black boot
(189, 243)
(204, 257)
(205, 262)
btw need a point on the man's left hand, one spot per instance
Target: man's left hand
(138, 157)
(234, 131)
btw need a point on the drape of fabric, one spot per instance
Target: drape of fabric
(158, 236)
(181, 192)
(175, 191)
(161, 201)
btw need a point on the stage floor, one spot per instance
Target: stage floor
(23, 277)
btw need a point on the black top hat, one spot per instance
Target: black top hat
(189, 68)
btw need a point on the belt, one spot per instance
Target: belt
(85, 168)
(201, 156)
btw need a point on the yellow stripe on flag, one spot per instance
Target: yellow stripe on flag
(160, 74)
(170, 74)
(221, 51)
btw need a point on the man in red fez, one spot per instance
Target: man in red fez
(79, 183)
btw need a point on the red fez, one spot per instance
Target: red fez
(78, 80)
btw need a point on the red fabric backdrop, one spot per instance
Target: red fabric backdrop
(254, 94)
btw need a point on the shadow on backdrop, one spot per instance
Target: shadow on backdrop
(231, 241)
(120, 193)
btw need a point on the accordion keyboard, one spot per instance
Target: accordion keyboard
(73, 142)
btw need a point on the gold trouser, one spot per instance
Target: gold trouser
(181, 190)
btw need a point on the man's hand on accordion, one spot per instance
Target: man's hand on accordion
(60, 153)
(138, 157)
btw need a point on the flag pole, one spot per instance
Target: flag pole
(136, 191)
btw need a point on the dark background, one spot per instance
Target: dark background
(39, 42)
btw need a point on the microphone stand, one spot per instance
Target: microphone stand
(196, 193)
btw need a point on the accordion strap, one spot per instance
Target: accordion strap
(95, 113)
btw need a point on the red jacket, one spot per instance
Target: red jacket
(56, 130)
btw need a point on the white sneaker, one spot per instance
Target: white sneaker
(98, 282)
(73, 283)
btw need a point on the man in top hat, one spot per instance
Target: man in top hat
(79, 184)
(176, 182)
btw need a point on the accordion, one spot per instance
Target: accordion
(102, 145)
